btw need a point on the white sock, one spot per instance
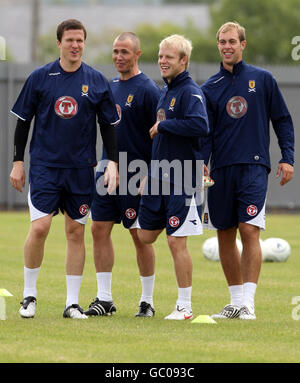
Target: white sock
(73, 288)
(147, 289)
(30, 279)
(104, 286)
(249, 293)
(236, 295)
(184, 297)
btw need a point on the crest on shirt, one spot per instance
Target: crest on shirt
(66, 107)
(84, 90)
(237, 107)
(172, 103)
(251, 86)
(129, 100)
(160, 115)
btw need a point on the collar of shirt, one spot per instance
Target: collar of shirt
(236, 68)
(177, 80)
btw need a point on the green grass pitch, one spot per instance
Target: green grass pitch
(122, 338)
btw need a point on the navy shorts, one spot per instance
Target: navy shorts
(115, 207)
(179, 214)
(53, 189)
(238, 195)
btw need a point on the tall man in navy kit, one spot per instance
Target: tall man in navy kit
(136, 96)
(241, 102)
(65, 97)
(181, 123)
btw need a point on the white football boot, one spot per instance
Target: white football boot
(247, 313)
(180, 313)
(75, 312)
(228, 312)
(28, 307)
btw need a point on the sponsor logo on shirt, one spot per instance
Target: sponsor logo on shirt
(119, 110)
(66, 107)
(237, 107)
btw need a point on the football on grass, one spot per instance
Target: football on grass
(277, 250)
(210, 248)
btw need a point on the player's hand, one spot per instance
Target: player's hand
(17, 176)
(142, 185)
(111, 177)
(205, 170)
(153, 131)
(287, 172)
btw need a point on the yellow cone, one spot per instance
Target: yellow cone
(203, 319)
(3, 293)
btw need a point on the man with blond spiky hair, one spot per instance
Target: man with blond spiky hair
(181, 123)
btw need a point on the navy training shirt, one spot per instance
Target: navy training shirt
(66, 106)
(183, 123)
(240, 106)
(136, 100)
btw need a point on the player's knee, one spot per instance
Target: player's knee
(249, 233)
(74, 231)
(172, 244)
(99, 230)
(75, 235)
(40, 230)
(146, 236)
(177, 245)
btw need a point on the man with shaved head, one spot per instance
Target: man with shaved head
(136, 97)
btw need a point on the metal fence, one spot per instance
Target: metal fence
(13, 76)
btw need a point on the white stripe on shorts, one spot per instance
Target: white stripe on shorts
(135, 225)
(192, 224)
(37, 214)
(34, 213)
(260, 219)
